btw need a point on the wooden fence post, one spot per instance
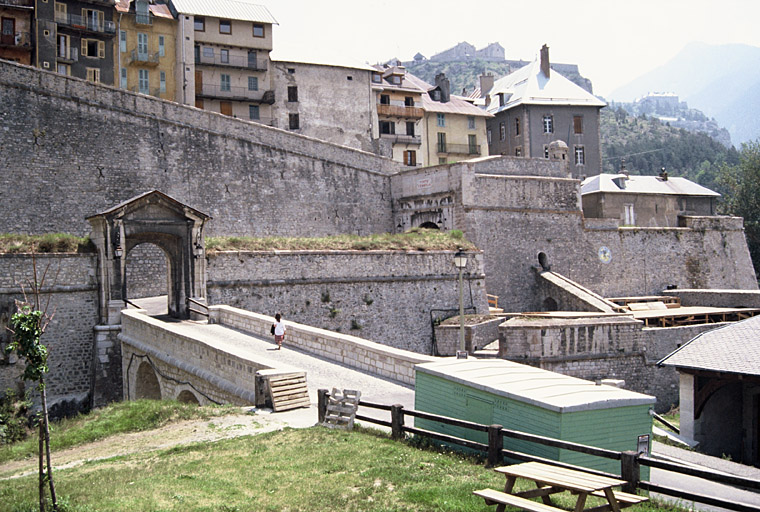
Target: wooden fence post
(630, 471)
(321, 405)
(397, 421)
(495, 445)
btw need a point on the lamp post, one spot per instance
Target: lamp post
(460, 262)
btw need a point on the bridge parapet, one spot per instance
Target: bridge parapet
(369, 356)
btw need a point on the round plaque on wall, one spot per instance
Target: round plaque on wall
(604, 253)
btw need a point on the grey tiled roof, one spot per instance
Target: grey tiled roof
(734, 348)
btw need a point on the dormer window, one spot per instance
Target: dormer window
(376, 78)
(436, 95)
(396, 80)
(142, 16)
(501, 99)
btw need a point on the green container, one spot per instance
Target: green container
(536, 401)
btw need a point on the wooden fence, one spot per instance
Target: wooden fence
(630, 461)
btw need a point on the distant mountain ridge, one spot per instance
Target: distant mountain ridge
(723, 81)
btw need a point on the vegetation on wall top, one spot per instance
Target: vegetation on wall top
(41, 244)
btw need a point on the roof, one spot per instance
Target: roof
(158, 10)
(406, 85)
(228, 9)
(632, 184)
(734, 348)
(542, 388)
(529, 86)
(455, 105)
(315, 60)
(140, 197)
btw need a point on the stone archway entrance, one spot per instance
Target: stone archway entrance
(158, 219)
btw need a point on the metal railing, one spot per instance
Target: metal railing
(233, 61)
(630, 462)
(23, 39)
(144, 58)
(143, 19)
(190, 301)
(17, 3)
(459, 149)
(402, 139)
(234, 93)
(77, 21)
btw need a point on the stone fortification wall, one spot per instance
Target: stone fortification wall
(351, 351)
(389, 297)
(82, 148)
(71, 289)
(600, 347)
(717, 298)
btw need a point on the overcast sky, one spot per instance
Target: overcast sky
(612, 41)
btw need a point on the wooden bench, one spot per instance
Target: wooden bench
(494, 497)
(625, 499)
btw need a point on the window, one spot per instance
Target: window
(408, 101)
(441, 120)
(258, 30)
(548, 124)
(293, 122)
(122, 41)
(197, 54)
(142, 46)
(436, 95)
(470, 123)
(142, 15)
(291, 71)
(441, 160)
(64, 49)
(518, 151)
(488, 133)
(161, 46)
(123, 80)
(629, 217)
(578, 125)
(376, 78)
(292, 93)
(225, 27)
(385, 99)
(142, 81)
(93, 75)
(546, 151)
(199, 103)
(441, 142)
(349, 77)
(199, 23)
(93, 48)
(224, 56)
(517, 126)
(580, 155)
(501, 99)
(93, 19)
(387, 127)
(410, 128)
(252, 62)
(225, 107)
(410, 157)
(502, 131)
(253, 83)
(396, 80)
(472, 145)
(162, 81)
(208, 52)
(225, 83)
(253, 111)
(63, 69)
(61, 12)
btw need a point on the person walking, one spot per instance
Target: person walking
(279, 330)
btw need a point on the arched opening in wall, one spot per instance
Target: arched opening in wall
(146, 383)
(549, 304)
(429, 225)
(187, 397)
(543, 260)
(147, 278)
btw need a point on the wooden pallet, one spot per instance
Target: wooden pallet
(288, 391)
(341, 408)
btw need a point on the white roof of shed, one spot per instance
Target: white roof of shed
(227, 9)
(634, 184)
(535, 386)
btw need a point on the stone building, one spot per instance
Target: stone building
(145, 57)
(535, 106)
(16, 30)
(223, 57)
(76, 38)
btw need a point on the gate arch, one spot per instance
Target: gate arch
(146, 383)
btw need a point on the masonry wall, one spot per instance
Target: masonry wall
(71, 297)
(391, 298)
(82, 148)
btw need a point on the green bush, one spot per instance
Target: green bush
(14, 416)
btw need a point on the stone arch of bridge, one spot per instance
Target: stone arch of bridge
(147, 384)
(188, 397)
(155, 218)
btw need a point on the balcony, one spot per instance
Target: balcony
(234, 94)
(459, 149)
(67, 55)
(142, 19)
(144, 59)
(399, 111)
(232, 61)
(402, 139)
(151, 91)
(17, 40)
(19, 4)
(83, 24)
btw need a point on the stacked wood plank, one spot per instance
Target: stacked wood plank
(341, 408)
(288, 391)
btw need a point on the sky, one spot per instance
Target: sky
(612, 41)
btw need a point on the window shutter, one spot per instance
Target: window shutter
(84, 47)
(102, 49)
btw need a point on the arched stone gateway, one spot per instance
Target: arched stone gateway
(155, 218)
(146, 383)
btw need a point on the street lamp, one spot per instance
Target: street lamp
(460, 261)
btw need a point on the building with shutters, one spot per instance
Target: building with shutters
(16, 30)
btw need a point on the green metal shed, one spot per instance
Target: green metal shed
(528, 399)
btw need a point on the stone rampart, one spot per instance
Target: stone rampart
(390, 297)
(354, 352)
(717, 298)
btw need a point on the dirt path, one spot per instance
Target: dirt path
(185, 432)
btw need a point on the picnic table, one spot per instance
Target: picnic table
(553, 479)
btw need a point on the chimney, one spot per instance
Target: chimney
(545, 66)
(486, 84)
(443, 84)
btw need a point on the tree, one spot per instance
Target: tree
(28, 325)
(742, 199)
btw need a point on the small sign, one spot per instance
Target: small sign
(424, 183)
(642, 445)
(604, 254)
(461, 354)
